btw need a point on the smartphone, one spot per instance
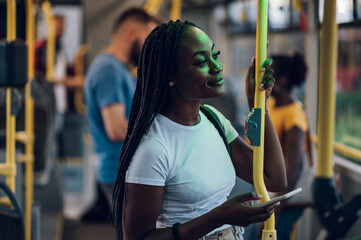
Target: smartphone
(280, 198)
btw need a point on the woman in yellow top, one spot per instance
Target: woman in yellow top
(291, 125)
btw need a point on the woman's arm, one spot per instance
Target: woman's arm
(293, 153)
(142, 205)
(242, 153)
(274, 165)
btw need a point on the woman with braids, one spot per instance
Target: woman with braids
(291, 125)
(175, 172)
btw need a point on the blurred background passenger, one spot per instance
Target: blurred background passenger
(62, 79)
(109, 90)
(292, 128)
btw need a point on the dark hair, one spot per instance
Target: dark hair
(154, 72)
(137, 14)
(293, 68)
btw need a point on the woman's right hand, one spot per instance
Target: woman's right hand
(236, 211)
(267, 82)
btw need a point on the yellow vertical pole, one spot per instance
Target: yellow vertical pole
(50, 44)
(10, 142)
(269, 231)
(176, 10)
(152, 6)
(11, 20)
(148, 4)
(10, 118)
(29, 120)
(327, 98)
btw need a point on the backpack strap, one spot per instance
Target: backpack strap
(216, 122)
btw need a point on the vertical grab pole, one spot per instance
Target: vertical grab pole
(10, 118)
(152, 6)
(176, 10)
(269, 231)
(29, 120)
(327, 99)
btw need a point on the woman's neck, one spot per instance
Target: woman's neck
(182, 113)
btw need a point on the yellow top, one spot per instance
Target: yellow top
(286, 117)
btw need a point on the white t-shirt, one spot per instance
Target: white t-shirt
(191, 162)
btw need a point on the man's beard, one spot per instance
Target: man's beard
(135, 52)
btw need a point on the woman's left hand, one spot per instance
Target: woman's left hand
(267, 82)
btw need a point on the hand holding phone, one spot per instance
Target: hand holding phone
(280, 198)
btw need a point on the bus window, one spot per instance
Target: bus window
(348, 98)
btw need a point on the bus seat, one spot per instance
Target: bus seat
(11, 219)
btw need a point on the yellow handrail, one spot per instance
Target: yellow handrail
(327, 98)
(342, 148)
(269, 231)
(10, 118)
(50, 45)
(152, 6)
(10, 20)
(348, 151)
(10, 143)
(29, 120)
(176, 10)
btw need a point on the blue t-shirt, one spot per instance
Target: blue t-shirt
(108, 81)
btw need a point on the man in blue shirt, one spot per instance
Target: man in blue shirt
(109, 90)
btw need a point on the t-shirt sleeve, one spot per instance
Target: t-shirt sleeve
(149, 164)
(108, 88)
(296, 118)
(229, 130)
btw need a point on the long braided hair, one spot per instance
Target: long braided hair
(155, 68)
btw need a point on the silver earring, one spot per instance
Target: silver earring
(171, 84)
